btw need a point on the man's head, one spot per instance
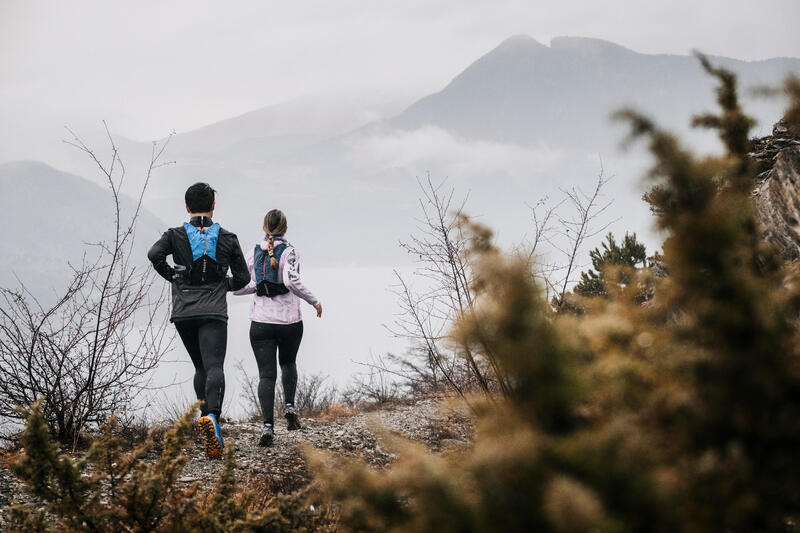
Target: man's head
(200, 199)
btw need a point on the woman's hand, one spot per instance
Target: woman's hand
(318, 307)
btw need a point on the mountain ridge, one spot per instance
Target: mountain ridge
(587, 48)
(54, 215)
(522, 91)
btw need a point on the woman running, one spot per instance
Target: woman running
(276, 322)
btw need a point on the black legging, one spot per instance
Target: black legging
(206, 339)
(266, 340)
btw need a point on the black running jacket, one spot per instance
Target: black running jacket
(209, 299)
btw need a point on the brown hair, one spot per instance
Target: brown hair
(274, 225)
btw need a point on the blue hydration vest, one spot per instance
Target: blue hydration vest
(204, 253)
(267, 282)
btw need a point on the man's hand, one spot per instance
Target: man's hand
(318, 307)
(178, 272)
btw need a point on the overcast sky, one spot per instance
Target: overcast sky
(150, 66)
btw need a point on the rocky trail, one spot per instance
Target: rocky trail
(437, 423)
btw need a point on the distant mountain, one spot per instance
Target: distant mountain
(519, 123)
(241, 147)
(261, 157)
(522, 91)
(282, 126)
(526, 92)
(48, 216)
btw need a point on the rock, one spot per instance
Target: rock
(777, 194)
(451, 443)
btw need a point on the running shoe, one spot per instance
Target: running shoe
(212, 435)
(292, 420)
(267, 435)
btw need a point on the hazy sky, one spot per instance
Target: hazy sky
(150, 66)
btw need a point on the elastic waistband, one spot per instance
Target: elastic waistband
(198, 317)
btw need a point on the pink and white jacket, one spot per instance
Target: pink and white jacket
(284, 308)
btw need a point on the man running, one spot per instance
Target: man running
(202, 252)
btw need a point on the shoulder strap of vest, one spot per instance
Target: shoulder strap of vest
(203, 241)
(259, 263)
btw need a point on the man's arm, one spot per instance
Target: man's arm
(250, 288)
(239, 270)
(158, 256)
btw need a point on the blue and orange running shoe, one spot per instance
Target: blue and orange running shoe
(209, 428)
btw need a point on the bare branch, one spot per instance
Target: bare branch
(89, 353)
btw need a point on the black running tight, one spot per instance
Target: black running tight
(268, 340)
(206, 339)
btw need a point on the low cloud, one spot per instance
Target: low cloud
(431, 148)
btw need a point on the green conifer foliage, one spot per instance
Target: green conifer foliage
(110, 489)
(627, 254)
(107, 489)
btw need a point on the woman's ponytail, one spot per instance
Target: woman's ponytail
(274, 224)
(271, 251)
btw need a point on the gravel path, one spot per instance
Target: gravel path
(431, 421)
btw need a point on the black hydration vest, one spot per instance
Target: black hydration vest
(267, 282)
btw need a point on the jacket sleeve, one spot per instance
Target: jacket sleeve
(291, 277)
(158, 256)
(250, 288)
(239, 270)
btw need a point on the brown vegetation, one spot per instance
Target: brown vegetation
(682, 415)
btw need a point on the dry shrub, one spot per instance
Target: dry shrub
(374, 389)
(337, 411)
(681, 415)
(303, 506)
(449, 426)
(109, 489)
(315, 397)
(90, 352)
